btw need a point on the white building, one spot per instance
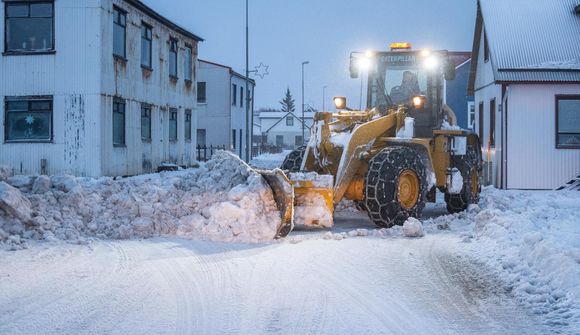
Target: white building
(525, 76)
(285, 129)
(221, 103)
(94, 87)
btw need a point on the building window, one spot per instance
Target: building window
(201, 137)
(233, 138)
(173, 124)
(485, 48)
(173, 58)
(118, 122)
(492, 123)
(188, 63)
(480, 122)
(119, 32)
(471, 115)
(29, 26)
(279, 140)
(290, 121)
(568, 121)
(201, 97)
(28, 119)
(188, 124)
(146, 122)
(146, 45)
(241, 96)
(298, 140)
(234, 94)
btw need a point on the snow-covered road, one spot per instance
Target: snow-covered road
(164, 285)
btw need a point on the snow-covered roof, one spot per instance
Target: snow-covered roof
(278, 115)
(530, 40)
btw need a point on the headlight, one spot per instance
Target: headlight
(339, 102)
(431, 63)
(419, 101)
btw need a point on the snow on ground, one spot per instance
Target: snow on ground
(269, 161)
(224, 200)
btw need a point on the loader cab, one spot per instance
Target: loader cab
(396, 77)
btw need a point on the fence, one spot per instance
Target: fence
(205, 152)
(261, 149)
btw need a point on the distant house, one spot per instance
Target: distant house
(456, 90)
(94, 87)
(525, 77)
(221, 103)
(285, 129)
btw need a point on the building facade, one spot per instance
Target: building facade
(456, 93)
(95, 87)
(525, 77)
(285, 129)
(221, 102)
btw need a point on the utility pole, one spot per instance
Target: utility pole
(303, 63)
(249, 127)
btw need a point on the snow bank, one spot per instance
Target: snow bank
(532, 240)
(224, 200)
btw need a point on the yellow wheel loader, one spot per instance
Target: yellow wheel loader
(389, 158)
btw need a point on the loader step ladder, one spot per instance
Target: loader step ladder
(572, 185)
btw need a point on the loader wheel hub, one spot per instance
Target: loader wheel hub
(408, 189)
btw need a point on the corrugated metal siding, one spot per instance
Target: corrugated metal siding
(529, 34)
(533, 160)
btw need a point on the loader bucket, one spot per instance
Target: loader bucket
(313, 203)
(284, 197)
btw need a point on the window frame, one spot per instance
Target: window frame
(145, 25)
(486, 53)
(241, 96)
(481, 120)
(124, 13)
(289, 121)
(8, 52)
(146, 107)
(123, 102)
(204, 92)
(557, 99)
(188, 70)
(172, 42)
(187, 121)
(28, 99)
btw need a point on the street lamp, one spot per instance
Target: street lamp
(324, 97)
(303, 63)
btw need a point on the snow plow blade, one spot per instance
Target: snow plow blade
(284, 197)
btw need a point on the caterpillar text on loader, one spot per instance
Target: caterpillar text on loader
(389, 158)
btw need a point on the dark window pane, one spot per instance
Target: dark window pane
(28, 125)
(40, 105)
(17, 105)
(173, 125)
(16, 10)
(201, 137)
(569, 116)
(122, 19)
(41, 10)
(146, 52)
(118, 123)
(188, 64)
(188, 125)
(118, 40)
(29, 34)
(173, 58)
(145, 123)
(201, 95)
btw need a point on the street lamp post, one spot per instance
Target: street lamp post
(303, 63)
(324, 97)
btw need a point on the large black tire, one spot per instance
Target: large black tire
(383, 186)
(470, 168)
(293, 161)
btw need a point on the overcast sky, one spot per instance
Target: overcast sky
(283, 33)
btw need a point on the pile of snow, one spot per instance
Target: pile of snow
(224, 200)
(269, 161)
(532, 240)
(446, 126)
